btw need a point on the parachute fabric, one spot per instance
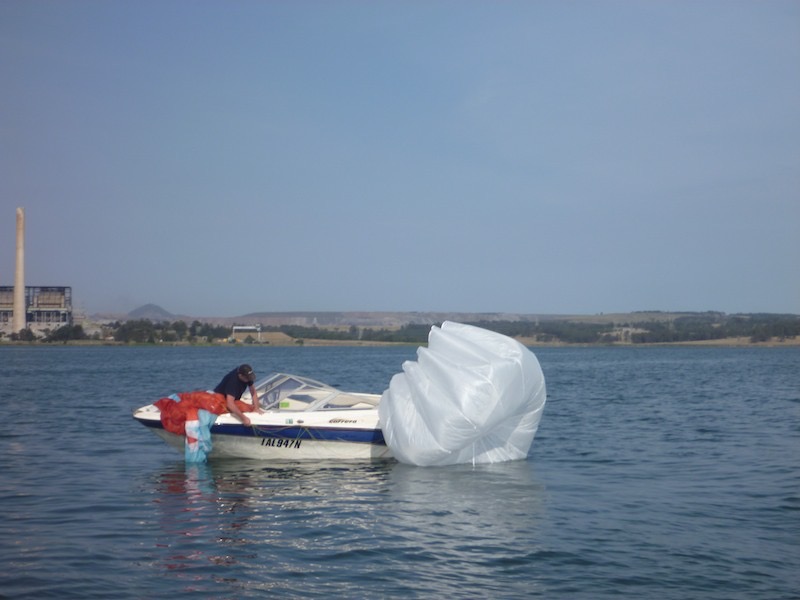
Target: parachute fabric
(472, 396)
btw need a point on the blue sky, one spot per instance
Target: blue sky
(221, 158)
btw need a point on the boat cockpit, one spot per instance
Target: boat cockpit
(284, 392)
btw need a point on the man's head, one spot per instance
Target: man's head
(246, 373)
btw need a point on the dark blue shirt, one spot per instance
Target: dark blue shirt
(232, 385)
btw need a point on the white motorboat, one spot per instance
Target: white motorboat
(303, 419)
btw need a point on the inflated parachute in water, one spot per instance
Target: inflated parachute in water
(472, 396)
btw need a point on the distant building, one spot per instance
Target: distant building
(45, 308)
(242, 332)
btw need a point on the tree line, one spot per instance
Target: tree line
(687, 328)
(691, 328)
(135, 331)
(145, 331)
(413, 333)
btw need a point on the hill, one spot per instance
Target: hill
(152, 312)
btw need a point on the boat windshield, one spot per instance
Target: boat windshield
(281, 391)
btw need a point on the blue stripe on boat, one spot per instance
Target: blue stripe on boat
(297, 432)
(290, 432)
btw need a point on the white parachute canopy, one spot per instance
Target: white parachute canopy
(472, 396)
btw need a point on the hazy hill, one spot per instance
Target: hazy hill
(152, 312)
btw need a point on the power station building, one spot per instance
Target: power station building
(29, 307)
(45, 308)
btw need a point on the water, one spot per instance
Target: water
(656, 473)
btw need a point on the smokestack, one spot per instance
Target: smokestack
(19, 320)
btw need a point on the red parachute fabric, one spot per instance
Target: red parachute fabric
(175, 414)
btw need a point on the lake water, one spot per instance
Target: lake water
(656, 473)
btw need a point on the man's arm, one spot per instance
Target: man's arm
(234, 410)
(254, 399)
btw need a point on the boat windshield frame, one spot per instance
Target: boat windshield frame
(284, 391)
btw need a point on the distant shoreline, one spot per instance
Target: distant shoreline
(740, 342)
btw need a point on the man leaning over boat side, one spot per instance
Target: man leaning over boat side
(233, 386)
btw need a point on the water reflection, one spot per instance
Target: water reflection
(283, 527)
(191, 517)
(469, 527)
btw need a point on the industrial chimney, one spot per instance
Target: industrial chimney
(19, 320)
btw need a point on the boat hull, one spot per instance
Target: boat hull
(288, 440)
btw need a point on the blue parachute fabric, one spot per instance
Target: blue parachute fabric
(197, 443)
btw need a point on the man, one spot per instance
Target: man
(233, 386)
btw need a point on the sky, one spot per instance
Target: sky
(540, 157)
